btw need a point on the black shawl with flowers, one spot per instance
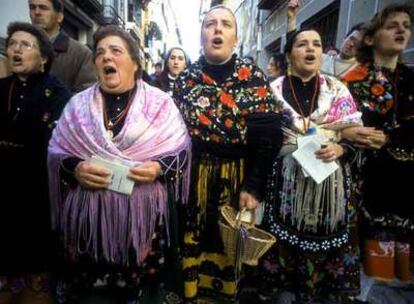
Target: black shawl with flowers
(230, 113)
(386, 100)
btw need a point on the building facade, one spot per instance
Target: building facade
(82, 17)
(163, 30)
(262, 23)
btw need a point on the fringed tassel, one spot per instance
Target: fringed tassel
(186, 178)
(107, 225)
(143, 226)
(203, 184)
(208, 172)
(312, 205)
(289, 177)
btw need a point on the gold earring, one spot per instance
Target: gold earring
(42, 67)
(289, 70)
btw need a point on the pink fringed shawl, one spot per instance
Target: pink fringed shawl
(102, 223)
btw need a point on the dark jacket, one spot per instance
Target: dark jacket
(28, 111)
(73, 64)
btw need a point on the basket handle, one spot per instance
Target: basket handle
(252, 220)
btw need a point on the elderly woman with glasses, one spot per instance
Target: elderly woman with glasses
(119, 133)
(31, 102)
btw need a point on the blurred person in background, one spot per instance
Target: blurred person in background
(276, 66)
(337, 65)
(73, 63)
(176, 60)
(342, 62)
(158, 70)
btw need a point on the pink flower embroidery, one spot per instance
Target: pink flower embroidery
(203, 102)
(341, 107)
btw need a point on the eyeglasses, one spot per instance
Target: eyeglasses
(23, 44)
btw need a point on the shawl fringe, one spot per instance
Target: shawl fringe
(313, 205)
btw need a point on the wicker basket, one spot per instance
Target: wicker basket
(254, 245)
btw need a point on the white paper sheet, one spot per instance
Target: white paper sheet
(316, 168)
(302, 140)
(119, 180)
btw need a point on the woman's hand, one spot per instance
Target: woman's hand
(293, 7)
(92, 176)
(377, 139)
(365, 137)
(358, 135)
(247, 201)
(146, 172)
(330, 152)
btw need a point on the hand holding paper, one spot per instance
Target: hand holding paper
(305, 155)
(329, 153)
(119, 181)
(92, 176)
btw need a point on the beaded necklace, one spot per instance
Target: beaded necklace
(312, 105)
(111, 122)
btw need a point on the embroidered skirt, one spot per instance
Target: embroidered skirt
(207, 270)
(309, 258)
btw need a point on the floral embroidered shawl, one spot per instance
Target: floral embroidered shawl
(104, 219)
(217, 112)
(336, 109)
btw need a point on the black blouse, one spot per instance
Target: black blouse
(218, 72)
(304, 92)
(115, 104)
(28, 112)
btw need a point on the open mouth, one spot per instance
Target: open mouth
(400, 39)
(17, 60)
(310, 58)
(109, 70)
(218, 41)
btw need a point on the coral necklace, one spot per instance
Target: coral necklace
(110, 123)
(312, 105)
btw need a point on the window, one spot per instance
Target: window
(326, 23)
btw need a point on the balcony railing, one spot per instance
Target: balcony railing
(90, 6)
(110, 16)
(270, 4)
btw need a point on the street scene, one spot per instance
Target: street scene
(207, 151)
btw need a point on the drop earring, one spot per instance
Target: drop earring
(289, 70)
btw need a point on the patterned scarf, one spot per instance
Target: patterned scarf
(104, 219)
(217, 112)
(336, 108)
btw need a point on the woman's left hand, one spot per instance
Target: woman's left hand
(247, 201)
(146, 172)
(377, 139)
(330, 152)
